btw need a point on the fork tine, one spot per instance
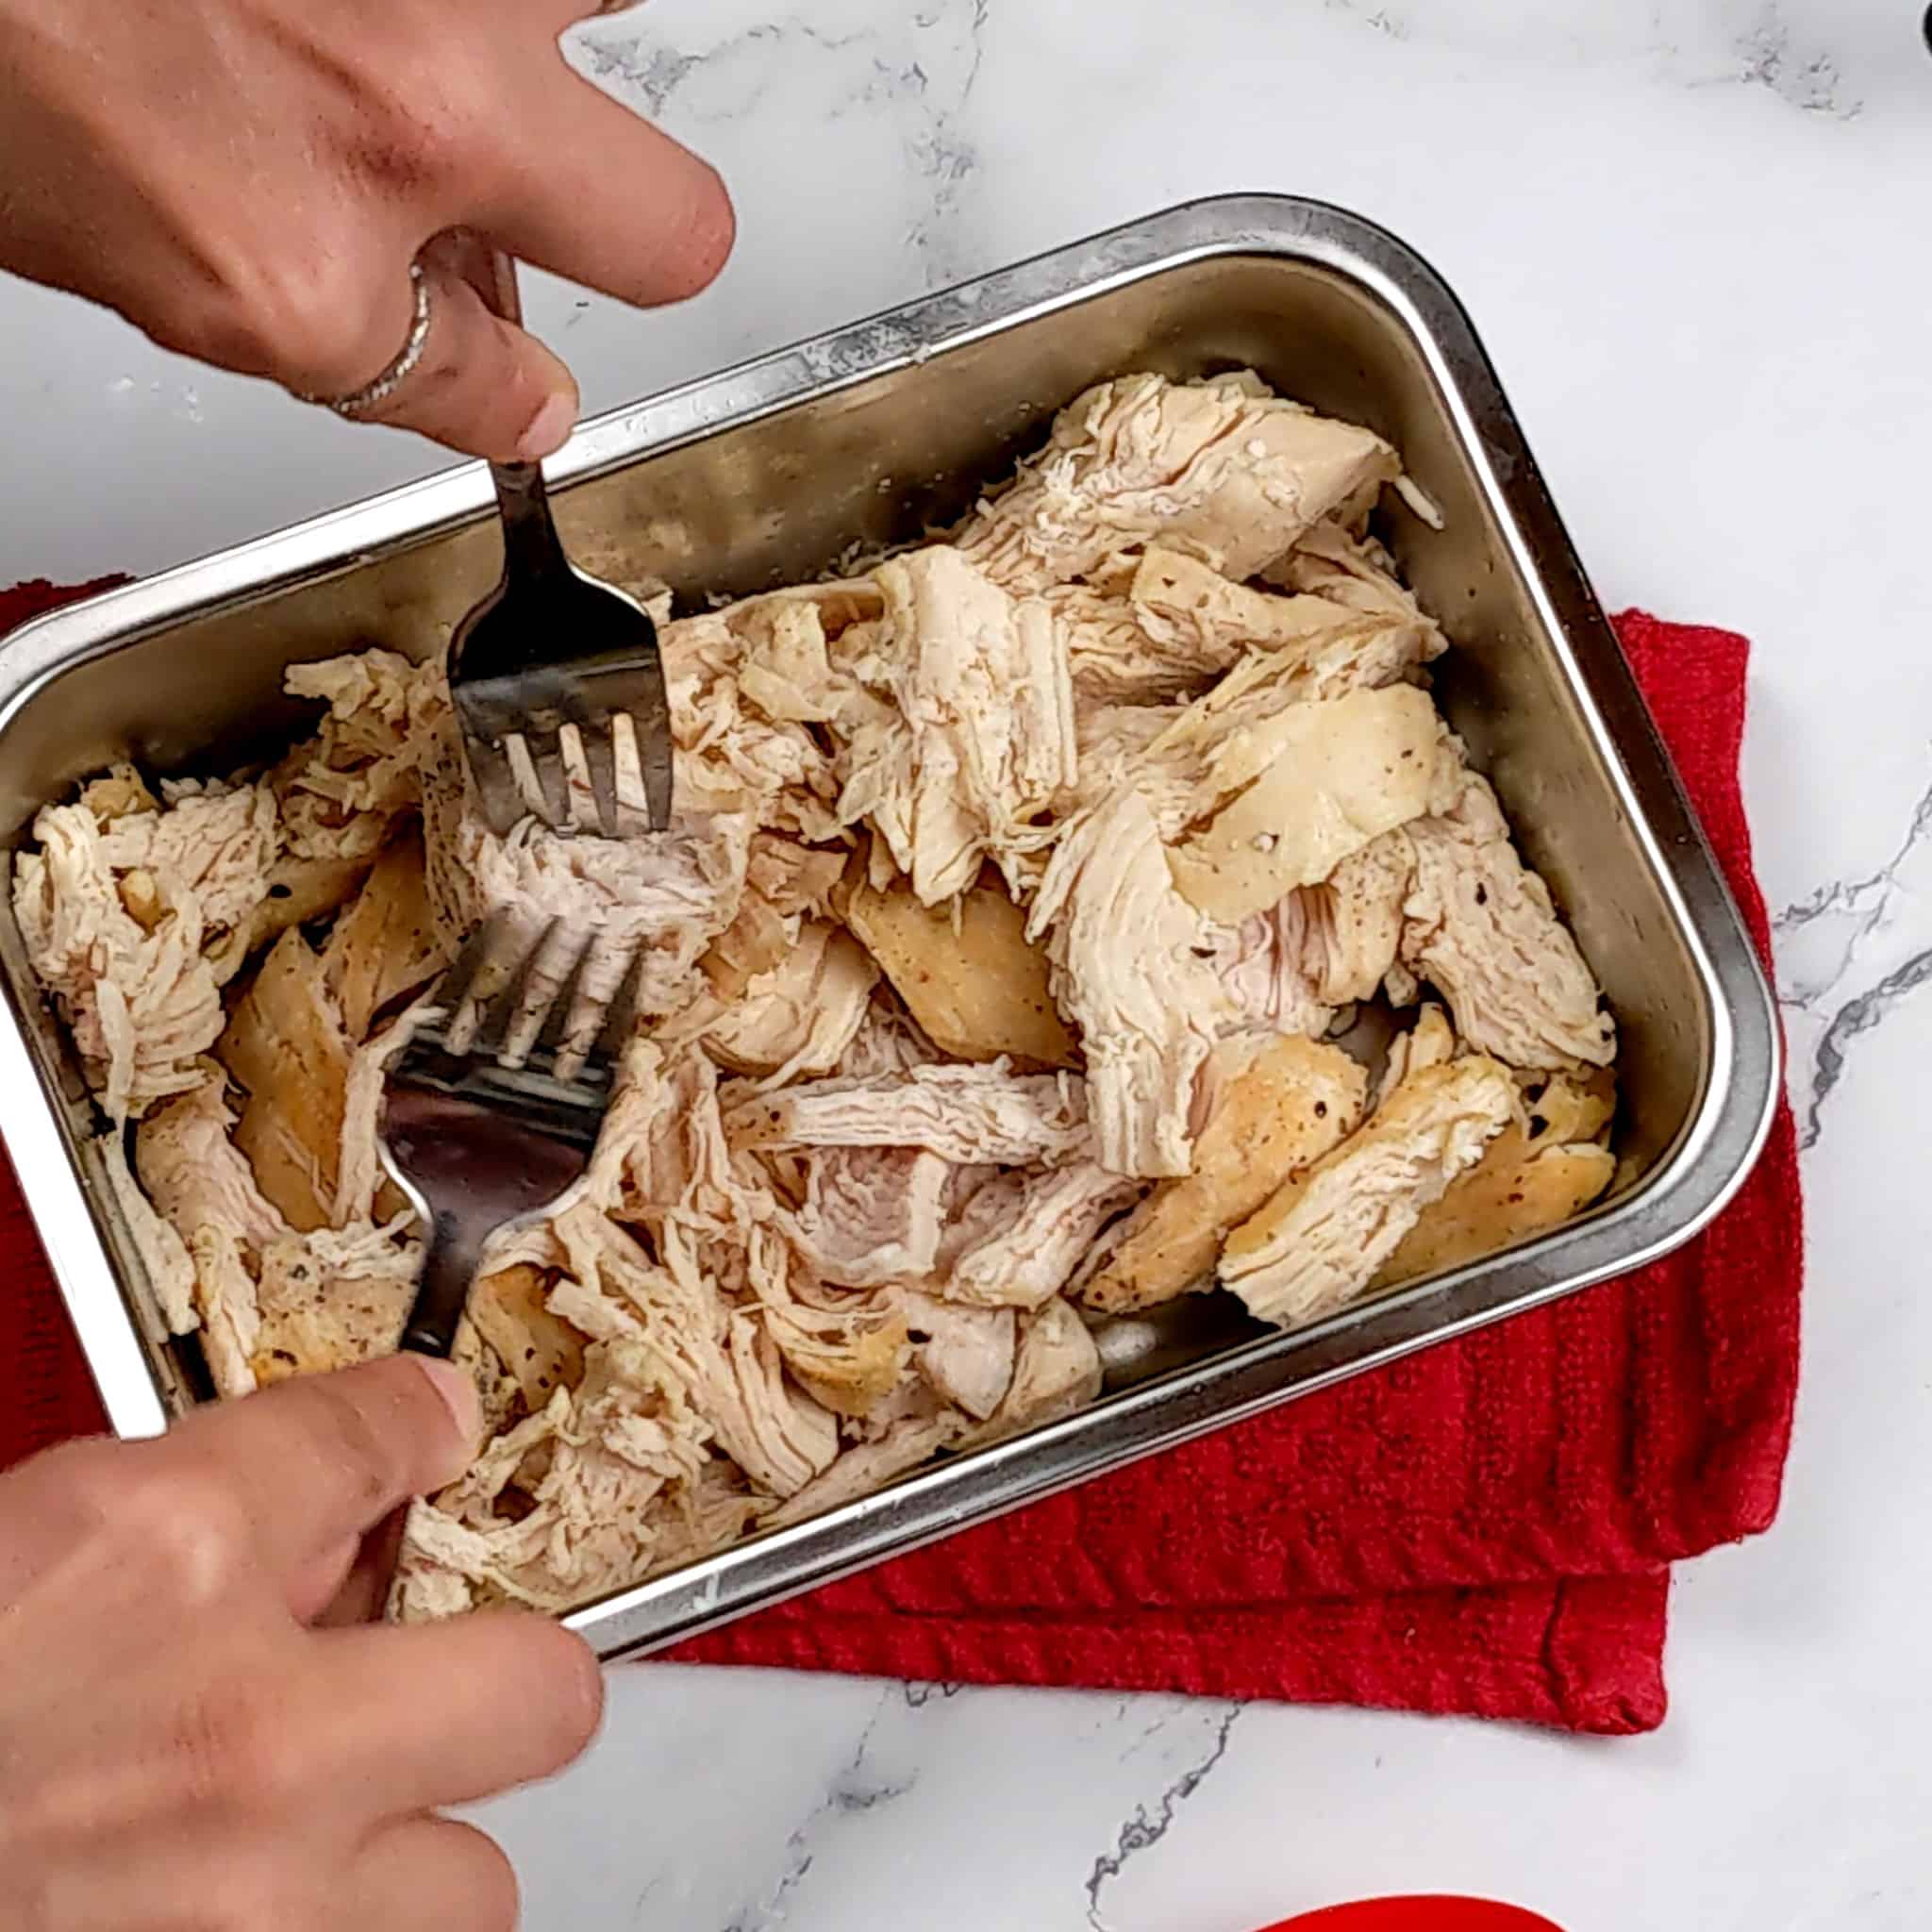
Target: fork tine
(496, 782)
(621, 1015)
(556, 1029)
(599, 756)
(650, 717)
(454, 986)
(500, 1016)
(553, 781)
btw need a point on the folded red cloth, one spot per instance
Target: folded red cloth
(1485, 1527)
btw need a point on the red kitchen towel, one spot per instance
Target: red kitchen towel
(1486, 1527)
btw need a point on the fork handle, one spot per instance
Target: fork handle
(452, 1257)
(531, 542)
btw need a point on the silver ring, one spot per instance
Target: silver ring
(360, 401)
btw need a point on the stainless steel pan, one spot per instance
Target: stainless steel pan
(872, 433)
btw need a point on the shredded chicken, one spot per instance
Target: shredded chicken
(1293, 1102)
(1480, 926)
(962, 1113)
(1019, 890)
(1220, 469)
(1133, 967)
(1327, 1233)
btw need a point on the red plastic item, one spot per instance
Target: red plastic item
(1418, 1915)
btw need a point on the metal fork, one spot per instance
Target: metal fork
(479, 1135)
(551, 647)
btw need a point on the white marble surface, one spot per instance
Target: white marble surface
(1692, 233)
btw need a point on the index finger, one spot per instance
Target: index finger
(581, 184)
(319, 1459)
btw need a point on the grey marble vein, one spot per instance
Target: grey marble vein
(853, 1792)
(1147, 1828)
(1806, 78)
(1691, 44)
(921, 70)
(1849, 956)
(918, 1697)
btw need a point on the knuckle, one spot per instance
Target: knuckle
(312, 316)
(419, 131)
(347, 1435)
(232, 1751)
(180, 1527)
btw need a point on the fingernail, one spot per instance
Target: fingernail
(549, 430)
(459, 1397)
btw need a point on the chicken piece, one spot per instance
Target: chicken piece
(141, 999)
(1056, 1371)
(1219, 470)
(1133, 967)
(1480, 927)
(1351, 923)
(225, 1301)
(872, 1215)
(783, 881)
(799, 1017)
(729, 1356)
(1113, 662)
(965, 1354)
(120, 793)
(363, 1188)
(785, 671)
(780, 1436)
(1177, 624)
(1263, 964)
(285, 1045)
(1330, 1230)
(1029, 1240)
(848, 1350)
(1303, 792)
(660, 900)
(968, 976)
(196, 1174)
(542, 1351)
(607, 1475)
(1171, 754)
(1430, 1042)
(1571, 1108)
(847, 1362)
(162, 1253)
(732, 756)
(388, 943)
(980, 735)
(1294, 1102)
(1172, 626)
(218, 843)
(964, 1114)
(328, 1299)
(868, 1467)
(1115, 741)
(1358, 573)
(300, 892)
(341, 793)
(664, 1150)
(1514, 1192)
(889, 1040)
(1537, 1175)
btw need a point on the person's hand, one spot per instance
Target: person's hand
(185, 1741)
(249, 181)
